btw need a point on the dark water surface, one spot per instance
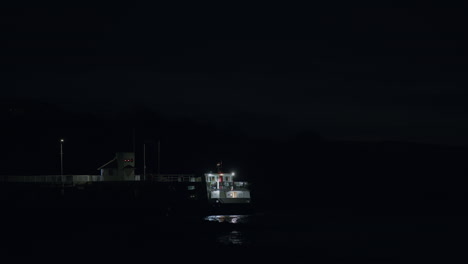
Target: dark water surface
(292, 236)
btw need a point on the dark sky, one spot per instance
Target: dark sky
(345, 71)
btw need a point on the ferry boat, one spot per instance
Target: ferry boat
(225, 194)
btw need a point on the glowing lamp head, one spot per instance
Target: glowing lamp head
(62, 140)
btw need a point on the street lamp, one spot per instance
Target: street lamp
(61, 160)
(144, 162)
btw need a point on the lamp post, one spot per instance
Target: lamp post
(144, 162)
(61, 160)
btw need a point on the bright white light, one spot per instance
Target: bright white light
(61, 140)
(232, 173)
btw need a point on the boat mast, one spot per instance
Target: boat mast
(220, 173)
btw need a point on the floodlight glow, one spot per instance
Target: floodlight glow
(61, 140)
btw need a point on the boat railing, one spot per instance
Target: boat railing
(228, 185)
(241, 184)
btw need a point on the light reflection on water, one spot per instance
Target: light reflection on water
(231, 237)
(382, 238)
(233, 219)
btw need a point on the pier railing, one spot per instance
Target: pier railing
(67, 179)
(174, 178)
(80, 179)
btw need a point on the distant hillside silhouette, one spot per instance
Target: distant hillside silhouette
(301, 171)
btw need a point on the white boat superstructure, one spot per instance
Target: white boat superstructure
(222, 188)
